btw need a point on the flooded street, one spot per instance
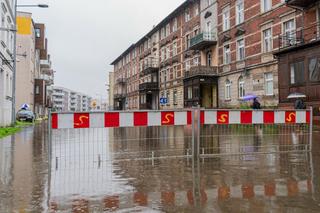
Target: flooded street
(150, 170)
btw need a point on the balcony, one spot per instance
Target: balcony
(301, 3)
(119, 96)
(203, 40)
(121, 81)
(201, 71)
(298, 38)
(45, 63)
(148, 68)
(148, 86)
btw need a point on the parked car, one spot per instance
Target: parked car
(25, 115)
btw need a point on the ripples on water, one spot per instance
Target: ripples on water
(113, 170)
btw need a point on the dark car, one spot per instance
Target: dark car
(25, 115)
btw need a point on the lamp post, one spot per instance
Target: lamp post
(13, 114)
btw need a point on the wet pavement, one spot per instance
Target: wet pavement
(150, 170)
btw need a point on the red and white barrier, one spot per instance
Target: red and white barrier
(170, 118)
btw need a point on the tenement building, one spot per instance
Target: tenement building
(214, 52)
(298, 54)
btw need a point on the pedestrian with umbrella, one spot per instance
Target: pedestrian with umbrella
(255, 104)
(298, 104)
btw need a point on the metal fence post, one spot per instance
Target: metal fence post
(311, 129)
(49, 141)
(196, 133)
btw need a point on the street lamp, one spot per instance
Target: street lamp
(13, 114)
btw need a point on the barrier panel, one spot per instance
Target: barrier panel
(85, 147)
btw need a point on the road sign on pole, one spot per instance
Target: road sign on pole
(163, 101)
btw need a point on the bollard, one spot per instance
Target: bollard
(99, 161)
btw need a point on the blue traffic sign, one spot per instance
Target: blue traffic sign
(163, 101)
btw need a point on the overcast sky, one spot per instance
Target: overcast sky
(85, 36)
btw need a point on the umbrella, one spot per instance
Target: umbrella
(249, 97)
(296, 95)
(25, 106)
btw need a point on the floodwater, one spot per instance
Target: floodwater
(151, 170)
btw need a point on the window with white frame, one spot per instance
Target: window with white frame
(187, 65)
(174, 48)
(187, 15)
(168, 52)
(196, 9)
(187, 41)
(226, 54)
(163, 54)
(267, 40)
(196, 61)
(268, 81)
(226, 18)
(209, 2)
(228, 90)
(266, 5)
(240, 49)
(175, 97)
(189, 92)
(209, 27)
(168, 30)
(175, 25)
(289, 29)
(241, 89)
(239, 11)
(163, 33)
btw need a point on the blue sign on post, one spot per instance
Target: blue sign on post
(163, 101)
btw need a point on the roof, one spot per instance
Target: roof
(155, 29)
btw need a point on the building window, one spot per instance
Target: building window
(239, 12)
(187, 15)
(227, 54)
(163, 33)
(187, 65)
(168, 30)
(37, 90)
(209, 59)
(297, 73)
(167, 52)
(228, 90)
(189, 93)
(209, 2)
(196, 61)
(226, 18)
(187, 41)
(209, 27)
(196, 10)
(268, 79)
(266, 5)
(241, 87)
(314, 70)
(240, 50)
(175, 97)
(168, 97)
(175, 25)
(289, 36)
(267, 40)
(174, 49)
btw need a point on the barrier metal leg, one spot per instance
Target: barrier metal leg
(311, 129)
(49, 146)
(196, 133)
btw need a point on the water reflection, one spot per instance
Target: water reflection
(90, 172)
(23, 166)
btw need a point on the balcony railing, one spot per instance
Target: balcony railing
(148, 86)
(121, 81)
(203, 40)
(301, 3)
(149, 67)
(201, 71)
(119, 96)
(299, 37)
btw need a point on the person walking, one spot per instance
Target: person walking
(299, 104)
(256, 104)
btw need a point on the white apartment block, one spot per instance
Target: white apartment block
(6, 60)
(66, 100)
